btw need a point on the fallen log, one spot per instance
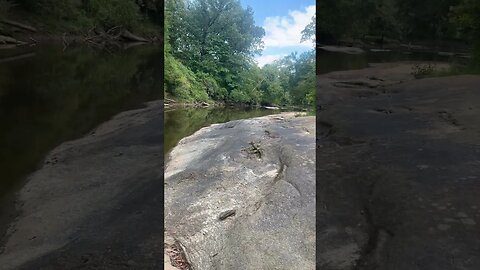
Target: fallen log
(19, 25)
(129, 36)
(10, 40)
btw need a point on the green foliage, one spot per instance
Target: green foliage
(290, 80)
(113, 13)
(83, 15)
(333, 23)
(428, 20)
(216, 37)
(209, 46)
(309, 31)
(466, 17)
(384, 21)
(239, 96)
(423, 70)
(410, 19)
(65, 15)
(251, 83)
(271, 88)
(5, 6)
(214, 91)
(182, 82)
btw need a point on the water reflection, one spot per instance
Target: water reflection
(55, 95)
(182, 122)
(331, 61)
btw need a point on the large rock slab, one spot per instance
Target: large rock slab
(241, 195)
(398, 170)
(96, 202)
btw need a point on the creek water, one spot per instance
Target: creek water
(49, 95)
(182, 122)
(335, 61)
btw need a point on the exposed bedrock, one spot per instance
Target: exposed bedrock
(398, 170)
(241, 195)
(96, 202)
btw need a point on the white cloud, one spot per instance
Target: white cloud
(268, 59)
(286, 31)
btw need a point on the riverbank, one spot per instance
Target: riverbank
(374, 42)
(398, 169)
(398, 48)
(113, 38)
(251, 203)
(94, 203)
(171, 104)
(181, 122)
(24, 27)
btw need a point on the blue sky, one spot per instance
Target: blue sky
(283, 21)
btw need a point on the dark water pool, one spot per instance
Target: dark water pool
(182, 122)
(49, 96)
(334, 61)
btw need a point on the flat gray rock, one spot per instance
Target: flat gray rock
(95, 203)
(398, 170)
(241, 195)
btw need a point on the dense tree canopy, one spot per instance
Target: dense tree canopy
(83, 15)
(209, 51)
(466, 15)
(398, 19)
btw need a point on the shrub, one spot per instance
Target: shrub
(214, 91)
(112, 13)
(181, 82)
(423, 70)
(239, 96)
(60, 10)
(5, 6)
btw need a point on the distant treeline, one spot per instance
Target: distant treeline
(209, 50)
(414, 20)
(79, 16)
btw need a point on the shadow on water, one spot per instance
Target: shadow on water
(182, 122)
(55, 96)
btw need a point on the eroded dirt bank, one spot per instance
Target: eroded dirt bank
(95, 204)
(241, 195)
(398, 170)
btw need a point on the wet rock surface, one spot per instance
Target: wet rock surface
(241, 195)
(398, 170)
(95, 204)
